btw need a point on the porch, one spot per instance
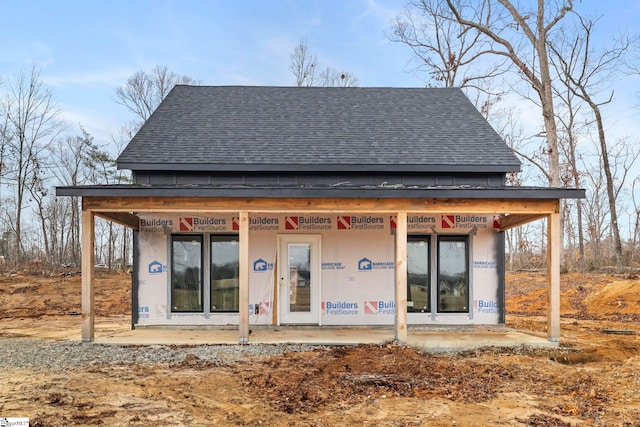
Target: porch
(432, 339)
(514, 211)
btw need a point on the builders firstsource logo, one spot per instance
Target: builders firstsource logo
(485, 306)
(362, 222)
(261, 308)
(414, 222)
(307, 223)
(448, 221)
(496, 222)
(339, 308)
(344, 223)
(263, 223)
(464, 221)
(202, 224)
(186, 224)
(156, 225)
(379, 307)
(143, 312)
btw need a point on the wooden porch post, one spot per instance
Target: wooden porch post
(553, 273)
(401, 334)
(88, 297)
(244, 278)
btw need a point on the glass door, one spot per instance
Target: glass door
(418, 277)
(299, 279)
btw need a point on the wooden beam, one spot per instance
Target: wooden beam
(243, 327)
(275, 306)
(122, 218)
(553, 273)
(401, 333)
(511, 221)
(502, 206)
(326, 205)
(88, 296)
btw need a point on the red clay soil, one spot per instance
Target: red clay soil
(593, 379)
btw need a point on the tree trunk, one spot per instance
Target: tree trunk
(549, 116)
(19, 255)
(576, 180)
(45, 236)
(610, 190)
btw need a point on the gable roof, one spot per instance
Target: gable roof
(240, 128)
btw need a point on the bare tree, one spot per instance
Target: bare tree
(144, 90)
(37, 185)
(4, 142)
(450, 54)
(570, 126)
(71, 156)
(304, 66)
(101, 168)
(119, 141)
(635, 240)
(334, 78)
(595, 214)
(32, 124)
(521, 36)
(583, 72)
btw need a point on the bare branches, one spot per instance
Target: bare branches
(458, 38)
(304, 66)
(582, 70)
(531, 59)
(144, 91)
(451, 54)
(32, 124)
(484, 24)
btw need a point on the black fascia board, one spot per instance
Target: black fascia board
(324, 192)
(313, 167)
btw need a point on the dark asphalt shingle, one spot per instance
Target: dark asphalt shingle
(291, 128)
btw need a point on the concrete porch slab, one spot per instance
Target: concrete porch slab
(448, 339)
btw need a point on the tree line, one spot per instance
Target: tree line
(540, 53)
(39, 151)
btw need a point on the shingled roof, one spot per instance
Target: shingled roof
(239, 128)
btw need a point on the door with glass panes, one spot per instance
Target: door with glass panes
(299, 279)
(418, 274)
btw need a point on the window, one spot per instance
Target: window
(299, 276)
(418, 289)
(190, 271)
(186, 273)
(453, 277)
(225, 271)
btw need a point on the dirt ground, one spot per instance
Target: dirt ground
(593, 379)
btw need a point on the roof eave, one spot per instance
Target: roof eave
(386, 192)
(313, 167)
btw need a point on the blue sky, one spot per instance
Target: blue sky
(86, 49)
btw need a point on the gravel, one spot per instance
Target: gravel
(42, 355)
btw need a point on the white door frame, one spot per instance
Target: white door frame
(284, 315)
